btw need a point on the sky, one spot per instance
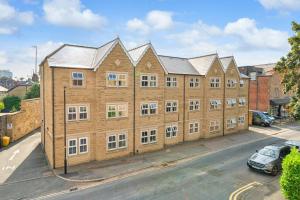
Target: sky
(254, 31)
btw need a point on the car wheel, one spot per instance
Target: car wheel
(274, 170)
(263, 124)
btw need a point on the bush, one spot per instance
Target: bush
(290, 178)
(1, 106)
(12, 103)
(33, 92)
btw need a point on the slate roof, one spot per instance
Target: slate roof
(226, 61)
(137, 52)
(3, 89)
(203, 63)
(175, 65)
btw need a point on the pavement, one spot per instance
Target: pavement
(202, 164)
(102, 170)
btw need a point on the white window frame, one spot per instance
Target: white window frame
(231, 102)
(214, 126)
(231, 83)
(73, 146)
(231, 123)
(215, 104)
(71, 113)
(173, 129)
(117, 81)
(242, 83)
(242, 101)
(117, 110)
(77, 112)
(171, 81)
(192, 129)
(148, 108)
(194, 104)
(117, 140)
(174, 104)
(80, 145)
(77, 79)
(148, 136)
(149, 80)
(214, 83)
(194, 82)
(241, 120)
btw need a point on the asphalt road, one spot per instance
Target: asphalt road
(214, 176)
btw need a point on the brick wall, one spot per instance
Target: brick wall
(259, 93)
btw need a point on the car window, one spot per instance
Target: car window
(268, 152)
(285, 151)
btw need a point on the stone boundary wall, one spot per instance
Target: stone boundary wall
(24, 121)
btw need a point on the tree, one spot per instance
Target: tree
(1, 106)
(33, 92)
(289, 68)
(290, 178)
(12, 103)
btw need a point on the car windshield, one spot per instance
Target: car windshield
(268, 152)
(263, 116)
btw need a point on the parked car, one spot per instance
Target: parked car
(293, 143)
(269, 116)
(259, 118)
(269, 158)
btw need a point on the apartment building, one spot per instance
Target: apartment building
(121, 102)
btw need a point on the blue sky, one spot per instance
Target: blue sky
(254, 31)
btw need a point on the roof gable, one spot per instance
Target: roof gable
(176, 65)
(227, 61)
(138, 53)
(203, 63)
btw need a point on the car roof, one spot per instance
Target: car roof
(275, 146)
(293, 142)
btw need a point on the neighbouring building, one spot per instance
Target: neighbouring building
(3, 92)
(266, 92)
(7, 82)
(5, 73)
(19, 90)
(122, 102)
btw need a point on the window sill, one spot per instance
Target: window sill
(116, 150)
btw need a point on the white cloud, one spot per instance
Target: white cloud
(159, 20)
(282, 5)
(22, 60)
(155, 20)
(253, 36)
(71, 13)
(11, 19)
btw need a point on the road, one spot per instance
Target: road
(214, 176)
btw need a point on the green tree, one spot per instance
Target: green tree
(33, 92)
(12, 102)
(1, 106)
(289, 67)
(290, 178)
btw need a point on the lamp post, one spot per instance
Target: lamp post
(65, 134)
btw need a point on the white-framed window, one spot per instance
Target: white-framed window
(72, 113)
(215, 104)
(242, 83)
(171, 81)
(116, 79)
(83, 145)
(231, 83)
(214, 126)
(72, 147)
(149, 108)
(77, 79)
(241, 120)
(116, 110)
(171, 130)
(194, 105)
(194, 82)
(77, 112)
(194, 127)
(148, 80)
(148, 136)
(242, 101)
(214, 82)
(83, 112)
(116, 141)
(231, 102)
(231, 123)
(171, 106)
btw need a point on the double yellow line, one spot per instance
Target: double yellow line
(235, 194)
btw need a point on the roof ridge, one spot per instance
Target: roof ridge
(226, 57)
(77, 45)
(174, 57)
(139, 46)
(117, 38)
(204, 56)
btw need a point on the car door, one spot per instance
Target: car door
(283, 153)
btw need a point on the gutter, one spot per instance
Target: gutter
(224, 89)
(134, 109)
(53, 131)
(44, 125)
(183, 139)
